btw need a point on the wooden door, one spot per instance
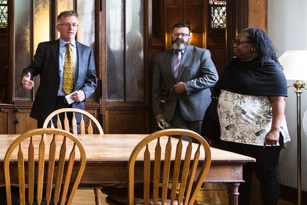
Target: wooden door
(127, 78)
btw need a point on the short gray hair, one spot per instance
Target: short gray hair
(67, 13)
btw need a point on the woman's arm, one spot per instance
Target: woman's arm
(278, 110)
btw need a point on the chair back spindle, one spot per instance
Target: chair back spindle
(54, 159)
(182, 174)
(84, 128)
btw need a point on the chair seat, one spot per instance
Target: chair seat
(118, 196)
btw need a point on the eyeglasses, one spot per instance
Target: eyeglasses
(238, 42)
(180, 34)
(67, 25)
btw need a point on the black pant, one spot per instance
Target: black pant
(265, 168)
(59, 105)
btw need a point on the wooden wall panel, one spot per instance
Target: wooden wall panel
(26, 123)
(3, 66)
(173, 15)
(126, 121)
(258, 15)
(218, 56)
(196, 2)
(197, 40)
(174, 2)
(195, 18)
(4, 116)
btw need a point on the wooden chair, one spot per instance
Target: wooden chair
(64, 190)
(184, 177)
(83, 127)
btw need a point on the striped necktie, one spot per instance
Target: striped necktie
(177, 64)
(68, 82)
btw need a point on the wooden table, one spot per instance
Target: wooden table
(108, 155)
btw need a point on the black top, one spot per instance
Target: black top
(259, 78)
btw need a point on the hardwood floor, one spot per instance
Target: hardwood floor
(210, 194)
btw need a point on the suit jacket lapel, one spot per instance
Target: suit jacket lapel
(187, 55)
(79, 54)
(168, 62)
(55, 51)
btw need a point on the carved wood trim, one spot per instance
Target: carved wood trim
(237, 19)
(11, 54)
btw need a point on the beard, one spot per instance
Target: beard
(180, 44)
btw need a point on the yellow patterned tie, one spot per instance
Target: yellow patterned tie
(68, 82)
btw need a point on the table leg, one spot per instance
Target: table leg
(233, 193)
(97, 199)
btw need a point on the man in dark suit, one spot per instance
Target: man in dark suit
(188, 74)
(65, 66)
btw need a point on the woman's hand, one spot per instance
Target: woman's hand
(278, 110)
(271, 138)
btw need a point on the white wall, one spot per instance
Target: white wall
(287, 28)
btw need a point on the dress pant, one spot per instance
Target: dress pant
(61, 103)
(265, 169)
(178, 121)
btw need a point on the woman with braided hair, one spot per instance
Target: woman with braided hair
(251, 106)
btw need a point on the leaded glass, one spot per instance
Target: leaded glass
(3, 2)
(218, 17)
(3, 15)
(217, 2)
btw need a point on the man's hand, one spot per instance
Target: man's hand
(78, 96)
(26, 82)
(179, 88)
(159, 117)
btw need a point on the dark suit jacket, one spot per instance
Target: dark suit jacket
(198, 73)
(46, 64)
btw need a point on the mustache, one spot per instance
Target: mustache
(178, 40)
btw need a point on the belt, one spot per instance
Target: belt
(61, 99)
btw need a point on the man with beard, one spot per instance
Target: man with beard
(188, 74)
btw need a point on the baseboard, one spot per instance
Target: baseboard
(290, 194)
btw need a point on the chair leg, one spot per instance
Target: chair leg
(97, 199)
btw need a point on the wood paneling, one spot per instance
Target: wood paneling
(218, 56)
(126, 121)
(174, 2)
(258, 15)
(24, 121)
(4, 116)
(3, 66)
(173, 15)
(195, 18)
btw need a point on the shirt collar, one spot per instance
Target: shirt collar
(63, 43)
(175, 50)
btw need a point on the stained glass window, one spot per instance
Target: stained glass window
(217, 2)
(3, 14)
(218, 13)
